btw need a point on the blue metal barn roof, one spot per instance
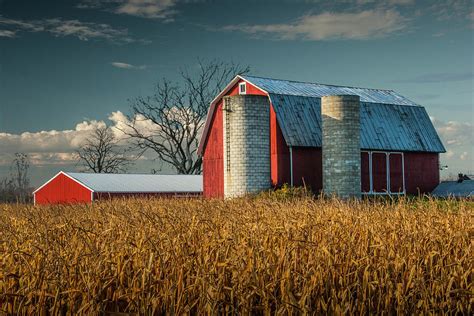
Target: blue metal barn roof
(383, 126)
(389, 121)
(306, 89)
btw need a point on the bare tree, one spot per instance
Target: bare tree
(16, 187)
(21, 165)
(175, 115)
(101, 153)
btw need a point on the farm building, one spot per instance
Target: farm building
(261, 133)
(462, 188)
(70, 187)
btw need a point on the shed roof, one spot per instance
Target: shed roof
(136, 183)
(455, 189)
(389, 121)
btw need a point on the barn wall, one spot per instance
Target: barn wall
(251, 89)
(421, 172)
(280, 155)
(308, 168)
(213, 158)
(62, 190)
(98, 196)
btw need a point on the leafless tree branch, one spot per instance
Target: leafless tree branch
(16, 188)
(177, 114)
(102, 154)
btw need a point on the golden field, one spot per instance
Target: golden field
(261, 255)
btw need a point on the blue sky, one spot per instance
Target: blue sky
(66, 66)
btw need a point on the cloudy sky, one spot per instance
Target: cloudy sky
(68, 66)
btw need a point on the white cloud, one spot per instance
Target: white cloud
(449, 153)
(55, 147)
(51, 141)
(128, 66)
(455, 133)
(152, 9)
(362, 25)
(148, 8)
(389, 2)
(458, 138)
(401, 2)
(45, 159)
(7, 33)
(22, 25)
(450, 9)
(58, 27)
(121, 124)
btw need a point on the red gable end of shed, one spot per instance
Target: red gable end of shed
(62, 189)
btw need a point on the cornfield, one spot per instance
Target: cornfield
(243, 256)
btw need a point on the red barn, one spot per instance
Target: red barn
(71, 187)
(262, 133)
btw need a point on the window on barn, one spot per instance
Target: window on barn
(382, 173)
(242, 88)
(379, 172)
(365, 172)
(396, 173)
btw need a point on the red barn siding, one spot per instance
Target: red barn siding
(280, 155)
(213, 159)
(308, 168)
(251, 89)
(421, 172)
(62, 190)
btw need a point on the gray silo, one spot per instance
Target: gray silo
(341, 145)
(246, 144)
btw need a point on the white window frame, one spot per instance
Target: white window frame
(387, 161)
(244, 86)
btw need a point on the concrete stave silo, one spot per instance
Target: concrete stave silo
(341, 145)
(246, 144)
